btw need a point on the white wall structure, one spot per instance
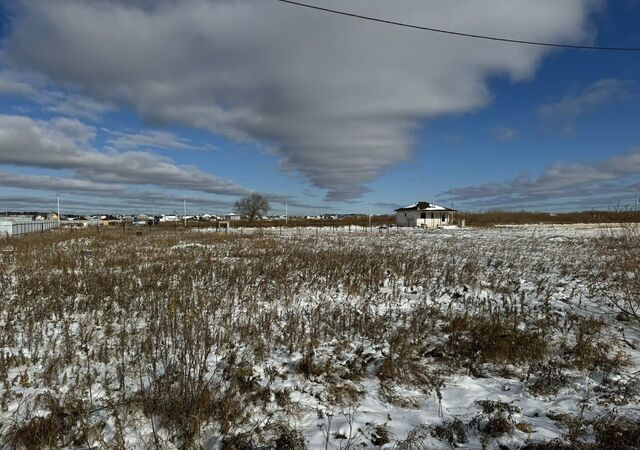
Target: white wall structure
(18, 226)
(423, 214)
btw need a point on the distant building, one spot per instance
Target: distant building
(233, 216)
(423, 214)
(18, 225)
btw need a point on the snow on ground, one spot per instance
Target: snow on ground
(352, 337)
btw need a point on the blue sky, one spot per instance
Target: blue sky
(143, 112)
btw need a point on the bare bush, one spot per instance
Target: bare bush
(619, 278)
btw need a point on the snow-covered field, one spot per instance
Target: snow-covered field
(321, 338)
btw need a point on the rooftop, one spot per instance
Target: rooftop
(424, 206)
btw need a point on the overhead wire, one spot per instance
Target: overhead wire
(459, 33)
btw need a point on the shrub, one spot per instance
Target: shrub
(494, 339)
(451, 432)
(617, 433)
(618, 280)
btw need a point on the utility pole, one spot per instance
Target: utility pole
(58, 201)
(286, 213)
(369, 215)
(184, 216)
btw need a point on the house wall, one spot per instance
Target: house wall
(414, 218)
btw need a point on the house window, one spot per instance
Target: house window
(405, 214)
(423, 215)
(432, 215)
(443, 217)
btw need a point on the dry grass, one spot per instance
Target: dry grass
(167, 331)
(618, 279)
(498, 217)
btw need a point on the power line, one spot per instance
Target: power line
(458, 33)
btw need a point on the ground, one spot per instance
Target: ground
(504, 337)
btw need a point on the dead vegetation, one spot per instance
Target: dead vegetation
(187, 339)
(500, 217)
(618, 279)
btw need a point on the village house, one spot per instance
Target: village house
(168, 218)
(423, 214)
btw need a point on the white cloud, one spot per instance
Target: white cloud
(505, 133)
(338, 98)
(589, 98)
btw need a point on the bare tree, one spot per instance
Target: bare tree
(252, 206)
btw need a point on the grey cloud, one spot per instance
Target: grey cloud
(110, 197)
(57, 184)
(73, 129)
(12, 86)
(101, 194)
(338, 98)
(76, 105)
(141, 202)
(149, 139)
(62, 144)
(36, 89)
(614, 175)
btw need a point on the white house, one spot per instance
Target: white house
(423, 214)
(233, 216)
(168, 218)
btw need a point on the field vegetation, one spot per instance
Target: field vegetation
(166, 338)
(498, 217)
